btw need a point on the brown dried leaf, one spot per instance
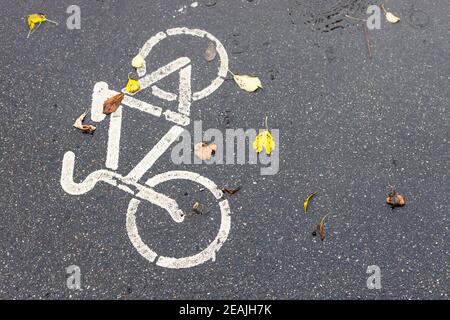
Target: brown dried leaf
(86, 128)
(231, 191)
(113, 103)
(321, 232)
(320, 228)
(395, 200)
(204, 151)
(210, 52)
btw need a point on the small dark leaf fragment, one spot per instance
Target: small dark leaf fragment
(231, 191)
(197, 208)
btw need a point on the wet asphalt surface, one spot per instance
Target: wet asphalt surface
(350, 127)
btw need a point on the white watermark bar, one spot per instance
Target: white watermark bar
(233, 147)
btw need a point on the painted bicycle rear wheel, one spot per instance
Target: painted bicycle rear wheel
(209, 253)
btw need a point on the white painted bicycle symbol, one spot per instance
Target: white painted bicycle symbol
(180, 118)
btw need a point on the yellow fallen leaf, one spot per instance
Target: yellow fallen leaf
(36, 18)
(389, 16)
(247, 83)
(137, 62)
(132, 85)
(306, 202)
(87, 128)
(264, 140)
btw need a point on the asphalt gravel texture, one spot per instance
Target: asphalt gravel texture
(352, 126)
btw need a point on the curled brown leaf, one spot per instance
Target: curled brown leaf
(320, 229)
(86, 128)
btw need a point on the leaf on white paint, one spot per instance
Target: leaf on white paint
(137, 62)
(112, 104)
(204, 150)
(132, 85)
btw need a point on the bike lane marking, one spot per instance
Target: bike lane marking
(154, 154)
(130, 183)
(209, 253)
(215, 84)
